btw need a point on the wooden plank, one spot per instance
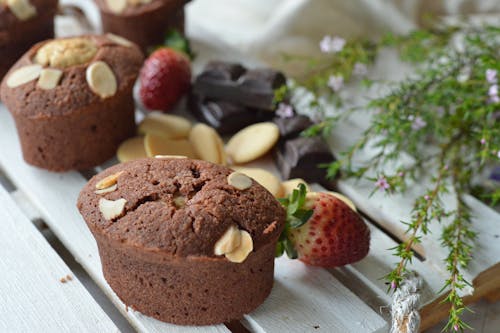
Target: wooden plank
(55, 196)
(309, 299)
(31, 293)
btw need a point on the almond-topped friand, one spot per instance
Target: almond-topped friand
(49, 78)
(239, 254)
(229, 241)
(166, 125)
(131, 149)
(23, 75)
(108, 181)
(207, 144)
(22, 9)
(185, 233)
(111, 209)
(239, 181)
(72, 100)
(66, 52)
(101, 79)
(252, 142)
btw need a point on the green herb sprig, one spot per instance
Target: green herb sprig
(446, 117)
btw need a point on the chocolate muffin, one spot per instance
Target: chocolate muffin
(22, 24)
(185, 241)
(144, 22)
(72, 100)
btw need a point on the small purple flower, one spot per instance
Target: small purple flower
(331, 44)
(360, 69)
(382, 184)
(491, 76)
(455, 327)
(401, 174)
(493, 91)
(426, 197)
(418, 123)
(336, 82)
(483, 141)
(284, 110)
(393, 284)
(446, 167)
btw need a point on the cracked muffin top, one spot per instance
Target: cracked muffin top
(179, 207)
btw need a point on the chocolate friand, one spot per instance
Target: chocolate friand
(184, 241)
(144, 22)
(22, 26)
(71, 99)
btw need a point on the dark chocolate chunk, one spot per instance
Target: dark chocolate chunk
(225, 117)
(232, 83)
(291, 127)
(301, 157)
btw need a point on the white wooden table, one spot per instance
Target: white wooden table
(39, 291)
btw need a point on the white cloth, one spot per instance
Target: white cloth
(266, 28)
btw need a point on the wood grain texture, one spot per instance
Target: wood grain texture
(55, 196)
(31, 293)
(309, 299)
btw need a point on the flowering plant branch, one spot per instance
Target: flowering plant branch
(445, 117)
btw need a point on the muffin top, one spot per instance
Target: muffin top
(178, 207)
(135, 7)
(64, 75)
(13, 12)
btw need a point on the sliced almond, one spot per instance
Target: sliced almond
(66, 52)
(109, 189)
(252, 142)
(166, 125)
(158, 145)
(179, 201)
(116, 6)
(24, 75)
(111, 209)
(108, 181)
(229, 241)
(22, 9)
(206, 143)
(239, 181)
(344, 199)
(131, 149)
(119, 40)
(241, 252)
(101, 79)
(169, 157)
(49, 78)
(289, 185)
(222, 151)
(264, 178)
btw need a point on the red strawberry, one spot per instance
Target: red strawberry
(334, 235)
(165, 78)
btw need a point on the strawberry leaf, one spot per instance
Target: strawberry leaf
(300, 218)
(289, 249)
(177, 41)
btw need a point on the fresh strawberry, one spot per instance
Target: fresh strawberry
(165, 78)
(322, 230)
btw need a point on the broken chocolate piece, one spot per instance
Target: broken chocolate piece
(301, 158)
(291, 127)
(225, 117)
(232, 83)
